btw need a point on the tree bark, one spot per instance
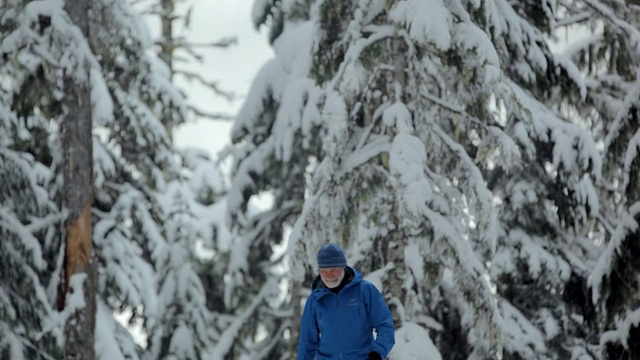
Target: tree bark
(168, 46)
(168, 42)
(77, 199)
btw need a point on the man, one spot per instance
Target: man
(341, 312)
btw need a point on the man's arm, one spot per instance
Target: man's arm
(380, 319)
(309, 334)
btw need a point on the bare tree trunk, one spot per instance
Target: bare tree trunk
(77, 198)
(167, 17)
(168, 46)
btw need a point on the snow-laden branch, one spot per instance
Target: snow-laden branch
(227, 338)
(631, 30)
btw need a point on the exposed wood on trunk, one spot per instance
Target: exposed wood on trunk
(79, 245)
(80, 326)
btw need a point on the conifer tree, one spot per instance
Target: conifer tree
(610, 60)
(134, 168)
(28, 248)
(191, 315)
(166, 203)
(46, 54)
(424, 139)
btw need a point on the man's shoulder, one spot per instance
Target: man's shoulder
(368, 287)
(366, 284)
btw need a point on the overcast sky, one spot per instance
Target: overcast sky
(234, 68)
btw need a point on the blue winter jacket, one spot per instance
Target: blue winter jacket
(339, 326)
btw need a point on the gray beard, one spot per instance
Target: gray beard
(334, 284)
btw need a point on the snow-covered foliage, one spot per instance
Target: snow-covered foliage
(609, 56)
(485, 183)
(30, 215)
(139, 220)
(25, 229)
(433, 140)
(166, 202)
(153, 208)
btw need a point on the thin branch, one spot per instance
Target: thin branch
(34, 347)
(136, 2)
(191, 52)
(211, 115)
(212, 85)
(443, 103)
(222, 43)
(607, 225)
(182, 43)
(574, 19)
(179, 42)
(267, 346)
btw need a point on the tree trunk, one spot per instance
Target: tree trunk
(79, 284)
(168, 46)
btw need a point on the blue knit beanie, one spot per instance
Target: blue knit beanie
(331, 256)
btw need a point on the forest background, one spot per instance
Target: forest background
(477, 159)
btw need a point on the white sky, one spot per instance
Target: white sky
(233, 68)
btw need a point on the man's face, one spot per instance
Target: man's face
(332, 277)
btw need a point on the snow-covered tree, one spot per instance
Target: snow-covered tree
(143, 190)
(167, 204)
(610, 58)
(191, 268)
(423, 137)
(28, 248)
(45, 55)
(547, 206)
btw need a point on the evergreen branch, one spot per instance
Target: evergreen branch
(280, 314)
(452, 108)
(574, 19)
(152, 11)
(180, 42)
(610, 15)
(222, 43)
(18, 298)
(224, 344)
(212, 85)
(192, 52)
(34, 347)
(211, 115)
(606, 223)
(224, 154)
(136, 2)
(266, 349)
(378, 33)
